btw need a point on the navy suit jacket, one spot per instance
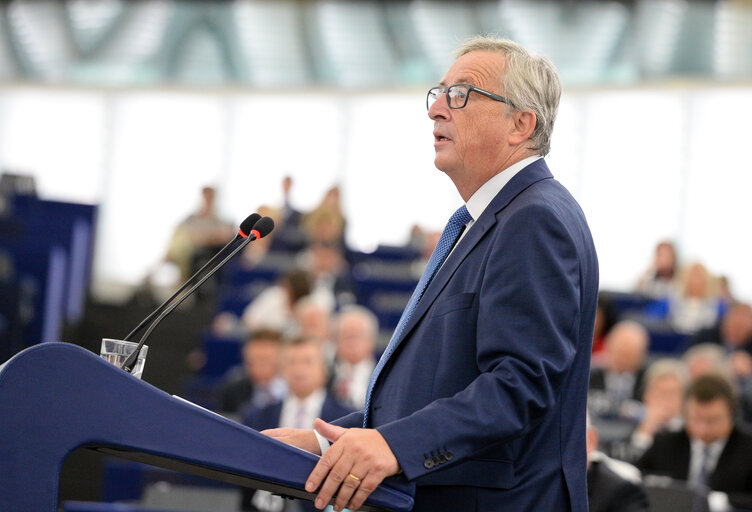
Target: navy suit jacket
(487, 388)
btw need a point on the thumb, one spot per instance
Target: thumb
(327, 430)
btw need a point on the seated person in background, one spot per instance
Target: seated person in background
(313, 320)
(304, 370)
(197, 238)
(712, 451)
(605, 318)
(356, 330)
(257, 382)
(613, 486)
(665, 383)
(659, 279)
(696, 306)
(734, 335)
(288, 234)
(273, 308)
(329, 273)
(616, 387)
(706, 358)
(733, 332)
(326, 222)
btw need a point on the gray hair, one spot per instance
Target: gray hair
(369, 319)
(667, 368)
(530, 82)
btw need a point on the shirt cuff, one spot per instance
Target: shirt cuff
(324, 443)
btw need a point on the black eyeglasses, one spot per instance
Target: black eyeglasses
(457, 95)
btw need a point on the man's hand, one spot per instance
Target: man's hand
(355, 464)
(302, 438)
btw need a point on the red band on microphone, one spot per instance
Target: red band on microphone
(256, 232)
(240, 232)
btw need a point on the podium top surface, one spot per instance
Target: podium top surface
(63, 397)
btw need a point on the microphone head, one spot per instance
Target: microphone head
(263, 227)
(247, 225)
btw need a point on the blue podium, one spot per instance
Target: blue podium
(56, 397)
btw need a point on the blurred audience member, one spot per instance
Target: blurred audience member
(326, 222)
(665, 382)
(305, 371)
(696, 307)
(356, 331)
(609, 491)
(605, 318)
(704, 359)
(273, 308)
(734, 332)
(313, 320)
(711, 452)
(615, 388)
(257, 383)
(724, 291)
(197, 238)
(288, 234)
(659, 279)
(329, 274)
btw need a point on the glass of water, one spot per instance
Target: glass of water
(117, 351)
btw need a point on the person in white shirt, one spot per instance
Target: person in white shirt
(356, 330)
(712, 451)
(305, 371)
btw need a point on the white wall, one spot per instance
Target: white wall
(645, 164)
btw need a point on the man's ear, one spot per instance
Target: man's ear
(523, 126)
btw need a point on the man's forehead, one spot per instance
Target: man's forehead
(474, 68)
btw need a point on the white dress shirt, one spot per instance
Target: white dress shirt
(357, 376)
(292, 417)
(696, 458)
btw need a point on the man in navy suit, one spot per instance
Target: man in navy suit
(480, 398)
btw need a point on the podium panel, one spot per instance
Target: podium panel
(56, 397)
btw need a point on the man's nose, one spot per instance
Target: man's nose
(440, 108)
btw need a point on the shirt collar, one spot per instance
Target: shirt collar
(312, 401)
(485, 194)
(715, 448)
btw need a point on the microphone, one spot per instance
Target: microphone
(263, 227)
(245, 228)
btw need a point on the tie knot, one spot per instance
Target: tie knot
(460, 217)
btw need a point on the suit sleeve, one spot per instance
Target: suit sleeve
(352, 420)
(526, 339)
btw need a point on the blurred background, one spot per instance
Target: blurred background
(135, 136)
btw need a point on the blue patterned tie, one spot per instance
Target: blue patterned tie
(448, 238)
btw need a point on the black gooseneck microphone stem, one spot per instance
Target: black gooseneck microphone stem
(178, 292)
(130, 362)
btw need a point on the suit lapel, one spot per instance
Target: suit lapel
(725, 460)
(533, 173)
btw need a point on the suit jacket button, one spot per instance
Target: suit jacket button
(449, 455)
(428, 464)
(442, 459)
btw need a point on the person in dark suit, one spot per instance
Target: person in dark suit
(480, 397)
(305, 371)
(257, 380)
(617, 386)
(712, 451)
(608, 491)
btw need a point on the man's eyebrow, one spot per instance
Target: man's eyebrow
(461, 80)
